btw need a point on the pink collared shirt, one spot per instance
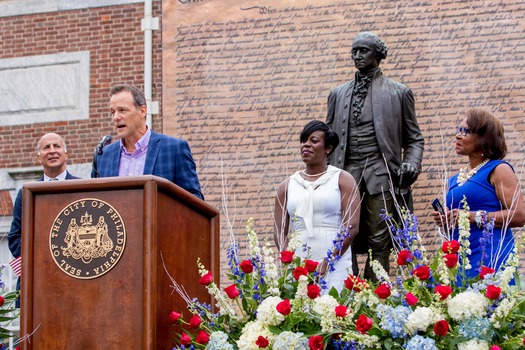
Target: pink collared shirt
(132, 164)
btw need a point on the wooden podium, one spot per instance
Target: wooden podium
(94, 254)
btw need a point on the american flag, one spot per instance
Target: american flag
(16, 265)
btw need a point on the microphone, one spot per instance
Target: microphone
(106, 140)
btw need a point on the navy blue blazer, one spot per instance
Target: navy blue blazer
(167, 157)
(15, 233)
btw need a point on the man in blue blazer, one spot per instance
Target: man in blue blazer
(52, 154)
(142, 151)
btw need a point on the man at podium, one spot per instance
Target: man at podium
(142, 151)
(52, 154)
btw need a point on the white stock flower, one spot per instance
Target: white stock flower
(267, 313)
(502, 311)
(379, 271)
(467, 304)
(474, 344)
(272, 272)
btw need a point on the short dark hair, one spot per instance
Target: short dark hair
(381, 48)
(489, 131)
(330, 137)
(138, 95)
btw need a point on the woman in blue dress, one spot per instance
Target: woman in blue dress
(491, 189)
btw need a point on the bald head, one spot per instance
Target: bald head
(52, 154)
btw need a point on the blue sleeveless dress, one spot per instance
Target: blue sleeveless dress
(481, 195)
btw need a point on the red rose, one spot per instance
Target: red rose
(441, 328)
(195, 322)
(2, 300)
(422, 272)
(450, 247)
(246, 266)
(313, 291)
(486, 271)
(495, 347)
(383, 291)
(202, 338)
(262, 342)
(316, 342)
(363, 323)
(310, 265)
(299, 271)
(451, 260)
(284, 307)
(173, 317)
(411, 299)
(341, 311)
(232, 291)
(355, 283)
(493, 292)
(185, 339)
(206, 279)
(287, 256)
(404, 257)
(443, 291)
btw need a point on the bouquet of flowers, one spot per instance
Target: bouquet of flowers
(7, 310)
(280, 302)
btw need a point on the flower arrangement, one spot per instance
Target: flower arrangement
(280, 302)
(7, 310)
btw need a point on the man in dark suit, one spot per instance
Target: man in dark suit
(142, 151)
(52, 154)
(381, 145)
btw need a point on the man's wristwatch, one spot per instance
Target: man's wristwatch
(480, 215)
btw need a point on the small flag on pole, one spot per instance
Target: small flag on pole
(16, 265)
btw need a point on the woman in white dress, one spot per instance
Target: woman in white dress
(323, 201)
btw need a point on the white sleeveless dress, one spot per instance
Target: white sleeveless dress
(316, 207)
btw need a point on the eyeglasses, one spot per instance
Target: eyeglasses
(462, 130)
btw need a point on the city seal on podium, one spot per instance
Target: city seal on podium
(87, 238)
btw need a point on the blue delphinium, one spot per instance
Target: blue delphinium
(418, 342)
(393, 319)
(338, 344)
(476, 328)
(337, 244)
(232, 255)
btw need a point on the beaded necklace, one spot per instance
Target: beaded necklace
(464, 177)
(313, 175)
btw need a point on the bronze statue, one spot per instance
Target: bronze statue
(380, 145)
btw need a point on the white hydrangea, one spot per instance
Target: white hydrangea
(267, 313)
(474, 344)
(467, 304)
(421, 318)
(290, 341)
(219, 341)
(325, 304)
(250, 333)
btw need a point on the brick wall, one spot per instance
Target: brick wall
(114, 38)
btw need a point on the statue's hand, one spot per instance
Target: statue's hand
(407, 174)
